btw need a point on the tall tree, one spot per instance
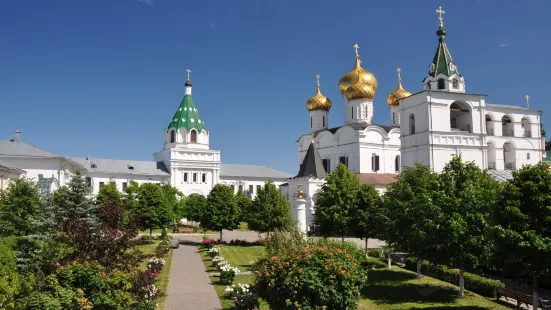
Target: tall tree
(195, 206)
(469, 195)
(410, 214)
(522, 224)
(336, 199)
(20, 208)
(365, 210)
(109, 195)
(221, 211)
(244, 203)
(176, 201)
(269, 211)
(152, 206)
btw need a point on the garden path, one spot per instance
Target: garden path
(189, 286)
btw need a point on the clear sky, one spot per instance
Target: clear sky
(104, 77)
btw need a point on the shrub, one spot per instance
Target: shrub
(227, 274)
(217, 260)
(283, 242)
(213, 252)
(160, 252)
(246, 243)
(143, 286)
(236, 290)
(311, 278)
(156, 264)
(208, 243)
(247, 301)
(478, 284)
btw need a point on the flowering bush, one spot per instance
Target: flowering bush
(143, 285)
(213, 252)
(236, 290)
(247, 301)
(218, 260)
(227, 274)
(156, 264)
(315, 277)
(208, 243)
(161, 252)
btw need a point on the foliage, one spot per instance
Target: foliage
(176, 201)
(227, 273)
(213, 252)
(9, 278)
(522, 223)
(364, 221)
(152, 206)
(19, 208)
(208, 243)
(284, 242)
(269, 211)
(478, 284)
(244, 204)
(195, 206)
(374, 263)
(336, 201)
(242, 297)
(316, 277)
(222, 211)
(109, 195)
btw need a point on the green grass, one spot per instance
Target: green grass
(243, 227)
(162, 278)
(224, 299)
(241, 257)
(399, 289)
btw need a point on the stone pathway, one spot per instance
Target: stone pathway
(189, 286)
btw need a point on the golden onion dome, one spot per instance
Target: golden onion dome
(318, 101)
(360, 78)
(400, 93)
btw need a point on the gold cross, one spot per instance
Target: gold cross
(527, 100)
(356, 47)
(318, 77)
(441, 17)
(399, 75)
(188, 72)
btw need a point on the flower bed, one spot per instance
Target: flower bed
(208, 243)
(213, 252)
(227, 274)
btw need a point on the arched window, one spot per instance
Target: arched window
(185, 177)
(375, 162)
(441, 84)
(204, 178)
(393, 118)
(324, 121)
(311, 122)
(193, 136)
(412, 124)
(172, 136)
(455, 84)
(352, 111)
(195, 177)
(397, 163)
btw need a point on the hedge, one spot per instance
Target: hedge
(478, 284)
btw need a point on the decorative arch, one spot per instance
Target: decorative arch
(491, 151)
(193, 136)
(460, 116)
(507, 126)
(172, 136)
(441, 84)
(397, 163)
(509, 155)
(526, 126)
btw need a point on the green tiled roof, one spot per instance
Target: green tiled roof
(442, 58)
(186, 117)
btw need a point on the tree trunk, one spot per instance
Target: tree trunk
(366, 250)
(389, 264)
(150, 234)
(461, 283)
(418, 269)
(342, 238)
(535, 292)
(220, 236)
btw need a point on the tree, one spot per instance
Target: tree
(152, 206)
(20, 208)
(410, 213)
(176, 201)
(522, 224)
(195, 206)
(363, 222)
(221, 211)
(244, 203)
(269, 211)
(109, 195)
(468, 197)
(336, 199)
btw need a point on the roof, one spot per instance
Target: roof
(378, 178)
(311, 165)
(501, 175)
(12, 169)
(122, 166)
(186, 116)
(504, 106)
(23, 149)
(442, 57)
(233, 170)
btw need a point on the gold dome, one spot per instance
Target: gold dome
(318, 101)
(359, 77)
(400, 93)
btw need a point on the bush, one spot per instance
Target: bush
(478, 284)
(236, 290)
(156, 264)
(227, 274)
(208, 243)
(246, 301)
(283, 242)
(161, 252)
(311, 278)
(245, 242)
(213, 252)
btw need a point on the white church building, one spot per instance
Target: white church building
(186, 162)
(427, 127)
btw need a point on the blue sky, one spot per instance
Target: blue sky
(104, 77)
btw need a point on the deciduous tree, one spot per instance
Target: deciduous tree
(20, 208)
(269, 211)
(221, 211)
(365, 210)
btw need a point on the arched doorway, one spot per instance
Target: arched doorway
(460, 117)
(489, 125)
(525, 123)
(491, 156)
(509, 156)
(507, 126)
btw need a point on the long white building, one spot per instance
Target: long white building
(427, 127)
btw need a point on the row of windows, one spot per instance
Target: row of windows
(249, 192)
(374, 163)
(101, 184)
(193, 136)
(194, 177)
(312, 122)
(442, 84)
(327, 163)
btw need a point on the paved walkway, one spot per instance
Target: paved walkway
(189, 286)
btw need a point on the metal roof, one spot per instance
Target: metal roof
(23, 149)
(514, 107)
(122, 166)
(501, 175)
(13, 169)
(233, 170)
(312, 166)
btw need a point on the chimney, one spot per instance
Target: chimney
(17, 136)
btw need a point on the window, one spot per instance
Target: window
(89, 181)
(393, 118)
(455, 84)
(195, 177)
(412, 124)
(240, 188)
(204, 178)
(251, 189)
(397, 163)
(311, 122)
(124, 186)
(375, 162)
(326, 164)
(323, 121)
(441, 84)
(185, 177)
(101, 185)
(343, 160)
(527, 155)
(193, 136)
(233, 188)
(258, 187)
(352, 111)
(172, 136)
(93, 165)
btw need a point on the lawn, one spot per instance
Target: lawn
(241, 257)
(243, 227)
(162, 278)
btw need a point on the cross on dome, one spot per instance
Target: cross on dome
(356, 47)
(318, 77)
(399, 74)
(441, 15)
(527, 100)
(188, 72)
